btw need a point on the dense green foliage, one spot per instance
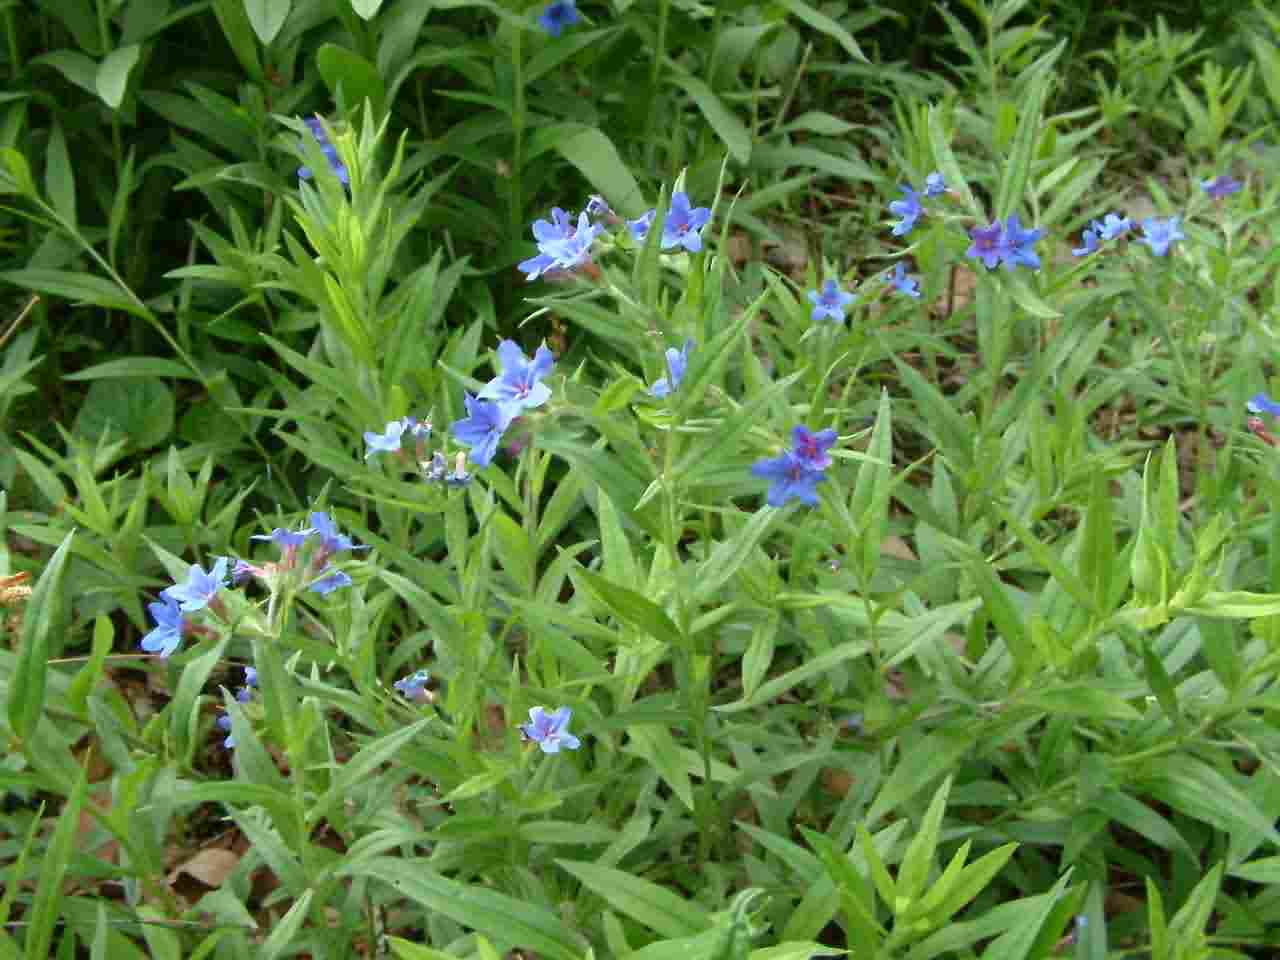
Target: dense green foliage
(1007, 688)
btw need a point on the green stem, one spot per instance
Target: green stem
(660, 49)
(517, 122)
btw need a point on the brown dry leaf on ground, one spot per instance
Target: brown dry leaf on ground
(211, 867)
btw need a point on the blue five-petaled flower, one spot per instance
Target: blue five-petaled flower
(677, 364)
(1221, 186)
(558, 15)
(935, 185)
(200, 587)
(830, 303)
(908, 209)
(167, 633)
(413, 685)
(482, 429)
(796, 473)
(904, 282)
(1159, 235)
(681, 228)
(519, 386)
(561, 245)
(550, 731)
(1261, 403)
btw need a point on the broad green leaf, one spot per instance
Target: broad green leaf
(357, 78)
(722, 119)
(824, 24)
(631, 607)
(43, 615)
(366, 9)
(112, 80)
(656, 907)
(478, 908)
(267, 17)
(140, 410)
(597, 159)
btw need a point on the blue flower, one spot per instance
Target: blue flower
(677, 364)
(904, 282)
(519, 386)
(388, 441)
(167, 633)
(284, 540)
(330, 153)
(639, 227)
(482, 429)
(790, 476)
(331, 581)
(561, 245)
(1160, 234)
(250, 682)
(1261, 403)
(597, 206)
(683, 225)
(331, 541)
(224, 724)
(550, 731)
(812, 447)
(1018, 244)
(831, 303)
(988, 245)
(934, 185)
(413, 685)
(558, 15)
(200, 587)
(1111, 226)
(908, 209)
(1221, 186)
(1089, 239)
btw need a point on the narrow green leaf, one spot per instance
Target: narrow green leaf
(366, 9)
(1084, 699)
(134, 367)
(363, 765)
(1030, 110)
(823, 663)
(920, 763)
(76, 287)
(824, 24)
(475, 907)
(631, 607)
(913, 875)
(59, 177)
(49, 900)
(654, 906)
(282, 933)
(43, 614)
(357, 78)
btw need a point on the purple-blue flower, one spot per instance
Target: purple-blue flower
(1089, 243)
(167, 633)
(558, 15)
(934, 185)
(812, 447)
(250, 682)
(561, 245)
(830, 303)
(790, 476)
(224, 724)
(331, 581)
(1221, 186)
(550, 731)
(681, 228)
(684, 224)
(331, 541)
(988, 245)
(519, 386)
(285, 540)
(677, 364)
(1112, 226)
(413, 685)
(908, 209)
(639, 227)
(904, 282)
(330, 153)
(200, 587)
(388, 441)
(482, 429)
(1018, 243)
(1160, 234)
(1261, 403)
